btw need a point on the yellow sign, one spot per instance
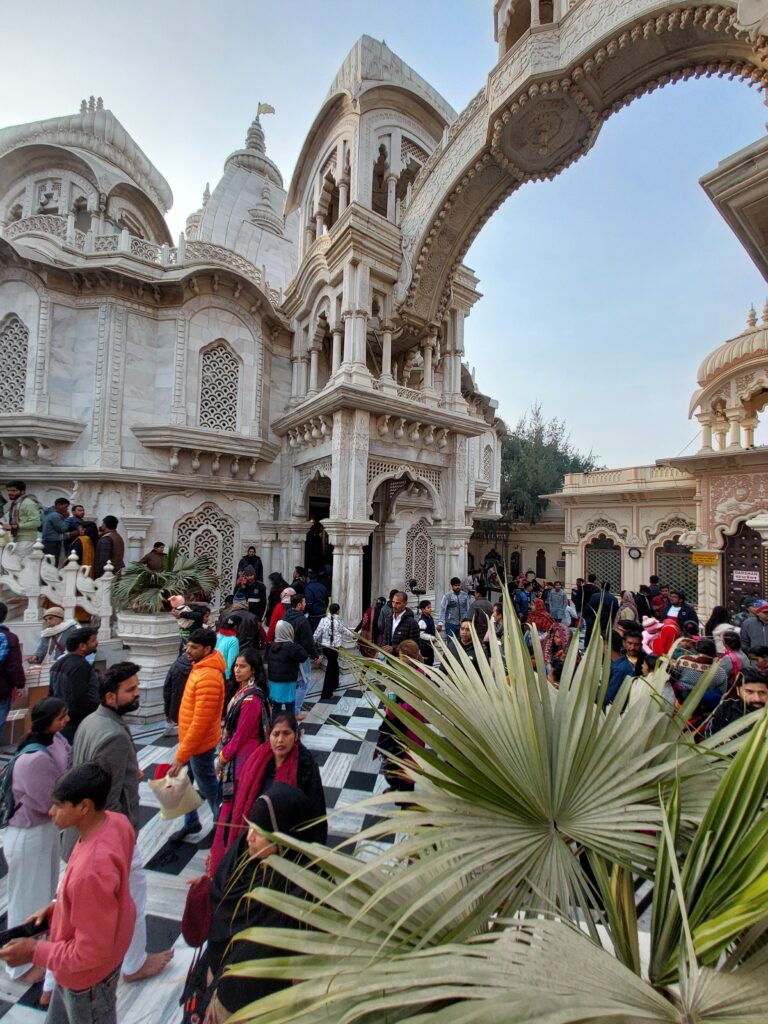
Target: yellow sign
(704, 557)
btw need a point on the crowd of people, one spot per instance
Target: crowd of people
(235, 698)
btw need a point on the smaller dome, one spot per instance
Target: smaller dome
(751, 342)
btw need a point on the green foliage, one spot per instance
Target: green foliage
(140, 589)
(508, 892)
(534, 459)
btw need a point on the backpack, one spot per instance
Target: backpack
(8, 805)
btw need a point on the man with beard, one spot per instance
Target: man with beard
(105, 737)
(753, 696)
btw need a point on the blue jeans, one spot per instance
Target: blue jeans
(5, 707)
(303, 683)
(451, 629)
(201, 767)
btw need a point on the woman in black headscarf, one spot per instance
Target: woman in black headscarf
(276, 587)
(246, 867)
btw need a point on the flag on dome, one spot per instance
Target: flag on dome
(265, 108)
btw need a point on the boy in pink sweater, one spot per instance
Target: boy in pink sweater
(92, 918)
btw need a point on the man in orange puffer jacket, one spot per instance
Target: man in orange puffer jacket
(200, 723)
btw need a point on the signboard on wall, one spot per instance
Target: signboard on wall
(704, 557)
(745, 576)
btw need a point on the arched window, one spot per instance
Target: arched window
(541, 564)
(219, 387)
(420, 556)
(519, 22)
(674, 566)
(602, 556)
(14, 349)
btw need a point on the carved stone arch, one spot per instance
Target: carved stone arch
(307, 476)
(527, 128)
(186, 350)
(601, 524)
(14, 354)
(397, 472)
(666, 528)
(219, 387)
(209, 531)
(39, 332)
(420, 555)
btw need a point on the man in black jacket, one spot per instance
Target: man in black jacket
(173, 691)
(74, 680)
(402, 626)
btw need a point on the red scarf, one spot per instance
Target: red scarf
(250, 784)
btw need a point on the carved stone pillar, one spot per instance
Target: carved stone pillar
(387, 382)
(319, 224)
(429, 345)
(391, 187)
(357, 281)
(734, 415)
(705, 419)
(343, 195)
(313, 358)
(135, 528)
(348, 540)
(338, 334)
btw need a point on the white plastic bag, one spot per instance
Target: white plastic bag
(176, 795)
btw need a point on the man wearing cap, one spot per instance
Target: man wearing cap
(754, 630)
(53, 638)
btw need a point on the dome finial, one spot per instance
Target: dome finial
(765, 312)
(206, 192)
(255, 138)
(752, 317)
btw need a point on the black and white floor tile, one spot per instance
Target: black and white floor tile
(341, 732)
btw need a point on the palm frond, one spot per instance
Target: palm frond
(141, 589)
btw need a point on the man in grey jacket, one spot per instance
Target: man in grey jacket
(104, 735)
(754, 630)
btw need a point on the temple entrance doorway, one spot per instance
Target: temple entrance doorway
(318, 552)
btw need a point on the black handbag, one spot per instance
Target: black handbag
(227, 783)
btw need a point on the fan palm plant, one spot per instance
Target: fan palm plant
(508, 893)
(141, 589)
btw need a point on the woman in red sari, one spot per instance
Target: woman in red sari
(539, 616)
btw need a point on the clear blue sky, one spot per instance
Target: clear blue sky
(603, 290)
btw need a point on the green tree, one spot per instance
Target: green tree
(534, 460)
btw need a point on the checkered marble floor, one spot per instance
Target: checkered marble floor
(341, 732)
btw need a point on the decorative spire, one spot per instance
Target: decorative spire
(206, 192)
(765, 312)
(752, 317)
(254, 140)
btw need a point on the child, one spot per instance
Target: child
(91, 921)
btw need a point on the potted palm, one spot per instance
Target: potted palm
(509, 885)
(144, 624)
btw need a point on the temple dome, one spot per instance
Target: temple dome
(751, 342)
